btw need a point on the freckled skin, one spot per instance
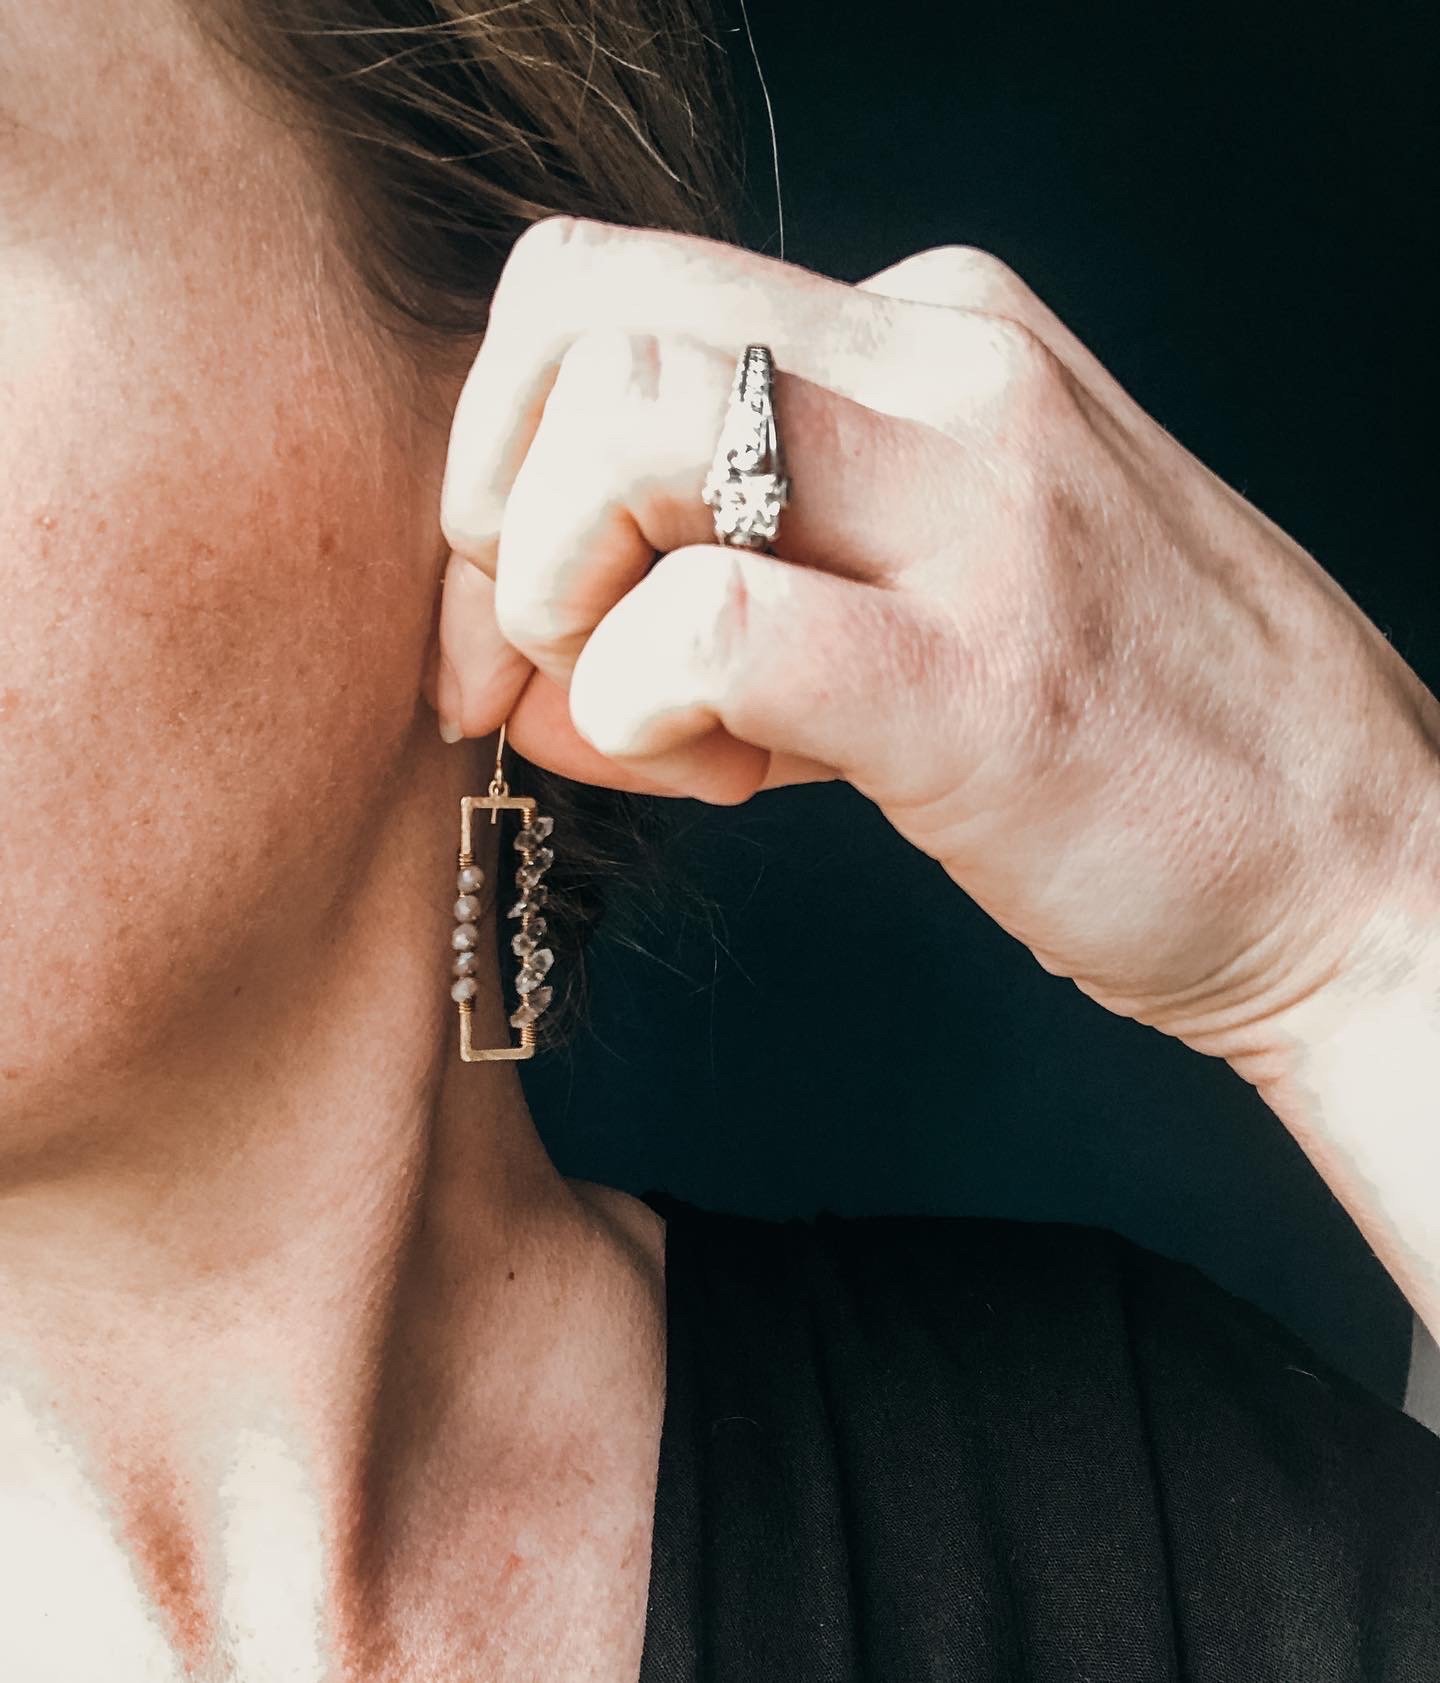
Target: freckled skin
(217, 532)
(301, 1331)
(209, 547)
(167, 1559)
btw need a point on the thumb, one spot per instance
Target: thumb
(726, 670)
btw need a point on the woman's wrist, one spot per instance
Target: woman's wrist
(1356, 1079)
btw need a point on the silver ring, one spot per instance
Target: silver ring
(746, 486)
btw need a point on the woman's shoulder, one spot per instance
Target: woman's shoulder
(1033, 1381)
(870, 1276)
(1029, 1293)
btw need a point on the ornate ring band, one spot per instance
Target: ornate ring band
(746, 486)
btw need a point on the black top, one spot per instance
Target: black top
(957, 1448)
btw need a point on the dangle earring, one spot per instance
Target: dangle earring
(535, 860)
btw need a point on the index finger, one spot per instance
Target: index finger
(567, 274)
(940, 353)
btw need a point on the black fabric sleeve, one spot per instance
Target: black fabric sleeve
(1301, 1514)
(922, 1449)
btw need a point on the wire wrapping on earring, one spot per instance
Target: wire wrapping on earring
(535, 959)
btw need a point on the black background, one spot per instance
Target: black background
(1232, 207)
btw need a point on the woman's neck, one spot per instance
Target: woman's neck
(266, 1277)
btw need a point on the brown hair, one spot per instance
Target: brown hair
(445, 128)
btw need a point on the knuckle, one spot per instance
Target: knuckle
(458, 524)
(993, 278)
(962, 276)
(524, 619)
(1002, 374)
(607, 364)
(981, 278)
(1033, 384)
(556, 236)
(1023, 361)
(514, 616)
(531, 263)
(469, 520)
(543, 239)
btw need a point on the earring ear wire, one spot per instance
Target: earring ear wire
(535, 860)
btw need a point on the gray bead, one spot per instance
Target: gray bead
(525, 943)
(470, 878)
(466, 963)
(533, 969)
(466, 988)
(529, 900)
(530, 1007)
(464, 935)
(466, 908)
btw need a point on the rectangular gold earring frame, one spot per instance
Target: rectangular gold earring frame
(494, 805)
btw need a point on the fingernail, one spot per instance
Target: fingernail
(450, 731)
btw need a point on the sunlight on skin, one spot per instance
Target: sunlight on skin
(219, 558)
(55, 1539)
(55, 1533)
(274, 1584)
(1363, 1104)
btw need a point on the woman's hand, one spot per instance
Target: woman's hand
(1131, 718)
